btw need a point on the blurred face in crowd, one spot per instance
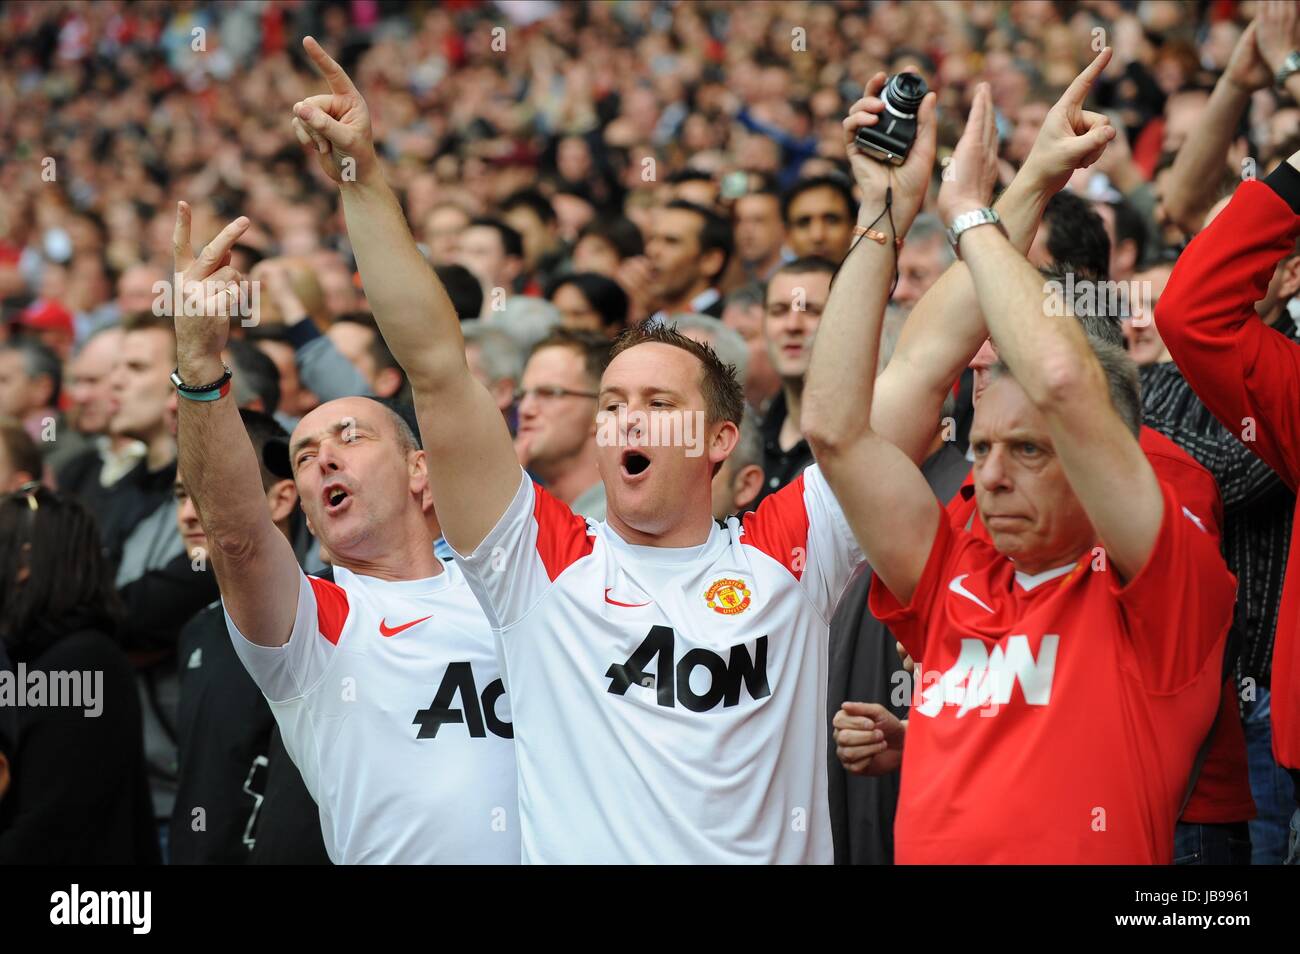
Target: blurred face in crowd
(594, 254)
(554, 428)
(141, 384)
(281, 498)
(1029, 120)
(338, 291)
(761, 380)
(295, 400)
(573, 214)
(20, 394)
(699, 191)
(1024, 499)
(442, 231)
(355, 342)
(11, 478)
(794, 310)
(573, 159)
(539, 238)
(135, 289)
(645, 485)
(1183, 115)
(820, 224)
(984, 359)
(90, 375)
(1145, 345)
(576, 313)
(735, 487)
(354, 478)
(484, 253)
(678, 269)
(919, 266)
(759, 229)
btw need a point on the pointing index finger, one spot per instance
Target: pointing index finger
(1078, 90)
(335, 77)
(182, 251)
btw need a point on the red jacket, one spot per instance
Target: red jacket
(1248, 375)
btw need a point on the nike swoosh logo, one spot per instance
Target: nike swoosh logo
(956, 587)
(393, 631)
(625, 605)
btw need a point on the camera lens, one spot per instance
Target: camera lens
(904, 93)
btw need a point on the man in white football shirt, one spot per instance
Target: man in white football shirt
(384, 681)
(667, 675)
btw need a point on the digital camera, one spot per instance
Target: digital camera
(891, 138)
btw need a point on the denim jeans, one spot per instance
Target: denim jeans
(1270, 785)
(1197, 844)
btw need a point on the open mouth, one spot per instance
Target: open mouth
(635, 463)
(336, 497)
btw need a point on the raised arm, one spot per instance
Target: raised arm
(886, 500)
(946, 328)
(254, 563)
(1245, 372)
(1192, 186)
(472, 465)
(1053, 363)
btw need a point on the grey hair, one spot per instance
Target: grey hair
(1121, 380)
(1097, 323)
(39, 362)
(749, 295)
(927, 227)
(726, 342)
(526, 319)
(499, 353)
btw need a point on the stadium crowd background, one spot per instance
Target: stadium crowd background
(536, 148)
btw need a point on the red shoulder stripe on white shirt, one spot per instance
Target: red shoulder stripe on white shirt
(779, 527)
(562, 538)
(331, 608)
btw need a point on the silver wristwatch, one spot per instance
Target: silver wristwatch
(1290, 65)
(969, 220)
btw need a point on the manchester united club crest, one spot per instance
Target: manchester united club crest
(728, 597)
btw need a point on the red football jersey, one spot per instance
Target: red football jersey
(1056, 717)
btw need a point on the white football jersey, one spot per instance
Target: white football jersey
(391, 703)
(669, 704)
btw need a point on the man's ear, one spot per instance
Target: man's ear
(417, 463)
(711, 265)
(503, 394)
(388, 382)
(746, 486)
(722, 442)
(282, 498)
(1290, 278)
(1126, 254)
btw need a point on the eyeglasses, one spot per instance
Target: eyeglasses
(551, 394)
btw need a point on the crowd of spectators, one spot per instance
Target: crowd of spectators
(568, 170)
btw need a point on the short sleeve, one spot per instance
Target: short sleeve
(803, 528)
(287, 672)
(910, 622)
(1179, 605)
(537, 538)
